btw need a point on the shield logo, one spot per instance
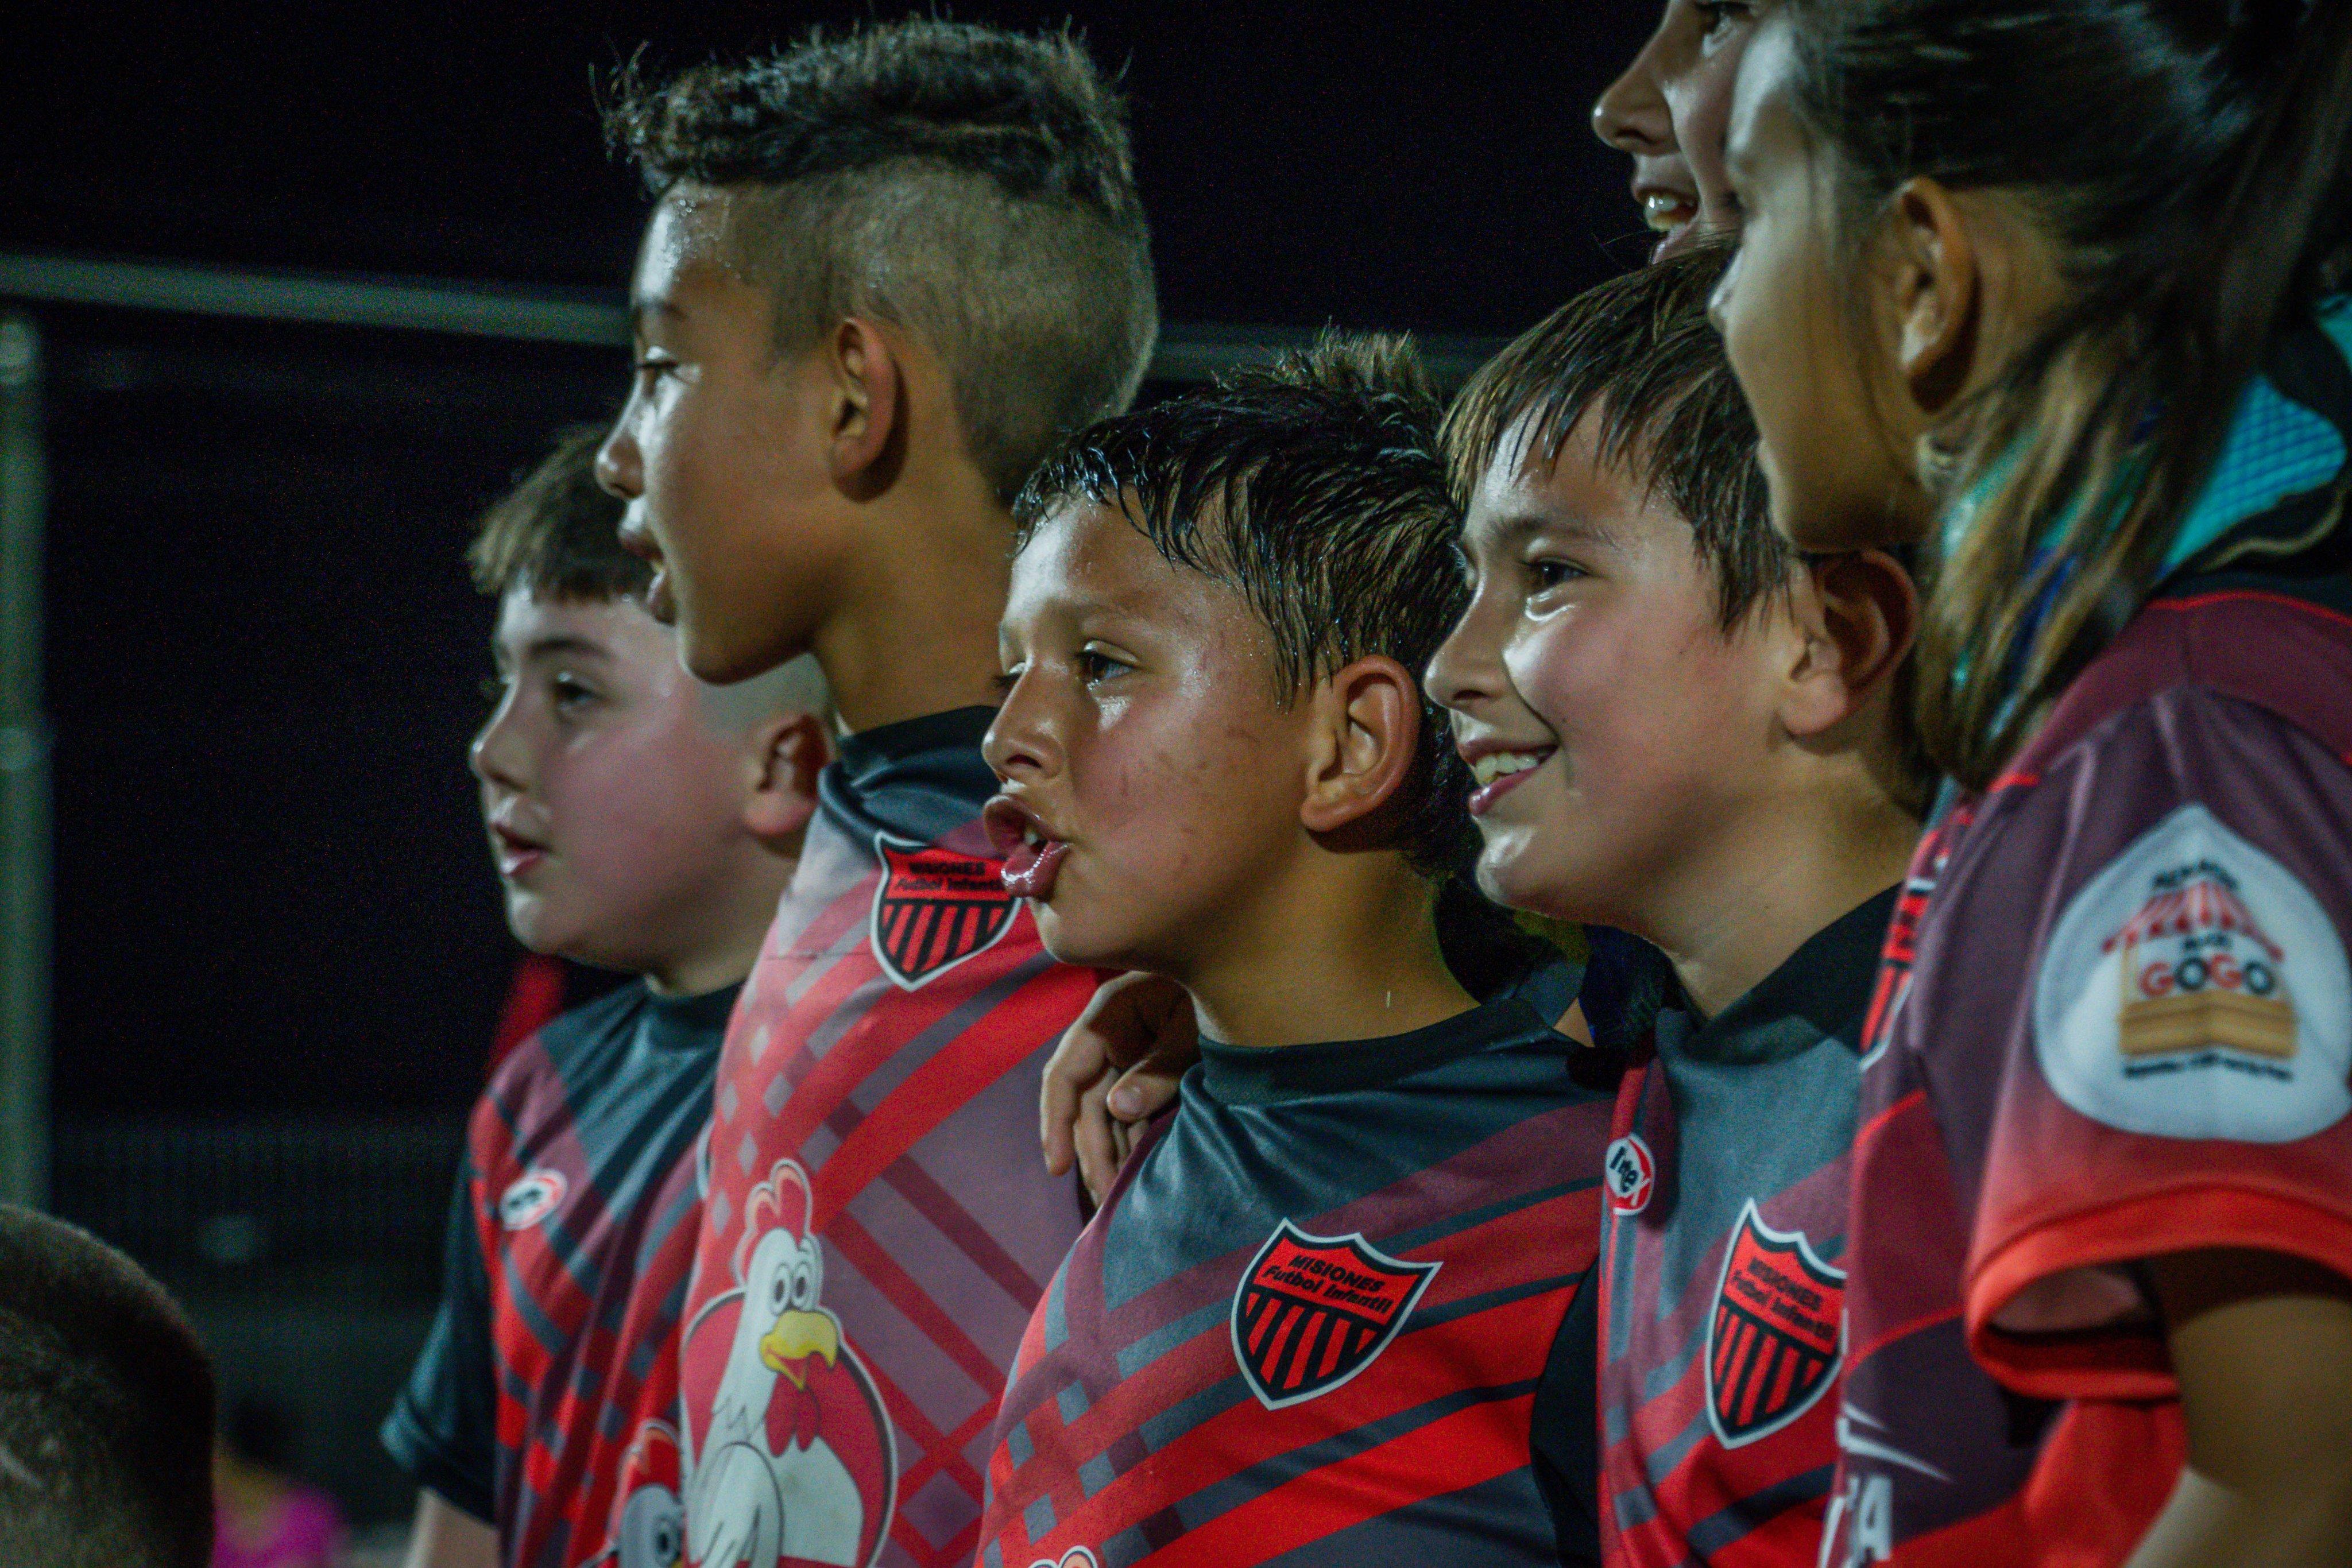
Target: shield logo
(935, 908)
(1777, 1335)
(1314, 1310)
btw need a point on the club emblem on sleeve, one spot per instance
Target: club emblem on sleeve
(532, 1197)
(935, 908)
(1632, 1173)
(1314, 1310)
(1775, 1339)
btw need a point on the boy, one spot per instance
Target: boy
(883, 271)
(106, 1408)
(1316, 1314)
(641, 823)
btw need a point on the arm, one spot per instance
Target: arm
(449, 1536)
(1117, 1067)
(2262, 1345)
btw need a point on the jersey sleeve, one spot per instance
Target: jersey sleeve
(442, 1429)
(2176, 1054)
(1565, 1436)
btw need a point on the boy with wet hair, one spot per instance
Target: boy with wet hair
(883, 270)
(1317, 1315)
(643, 822)
(106, 1408)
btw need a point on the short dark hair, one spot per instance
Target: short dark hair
(106, 1408)
(1639, 351)
(556, 533)
(990, 170)
(1313, 487)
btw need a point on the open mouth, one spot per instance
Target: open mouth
(1670, 215)
(1494, 774)
(517, 856)
(1033, 857)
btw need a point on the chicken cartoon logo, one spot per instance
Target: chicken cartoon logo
(648, 1524)
(796, 1465)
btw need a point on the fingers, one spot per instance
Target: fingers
(1094, 1134)
(1117, 1028)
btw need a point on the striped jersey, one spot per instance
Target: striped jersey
(2120, 1023)
(878, 1223)
(1721, 1266)
(1314, 1321)
(569, 1241)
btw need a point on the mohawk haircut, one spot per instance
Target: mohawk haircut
(1639, 352)
(1313, 488)
(556, 535)
(106, 1408)
(970, 185)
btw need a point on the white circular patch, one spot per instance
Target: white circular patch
(532, 1197)
(1631, 1172)
(2195, 988)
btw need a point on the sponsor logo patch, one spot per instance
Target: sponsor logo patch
(1312, 1312)
(1631, 1172)
(934, 909)
(1776, 1336)
(532, 1197)
(2195, 988)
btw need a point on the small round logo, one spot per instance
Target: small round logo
(532, 1197)
(1630, 1174)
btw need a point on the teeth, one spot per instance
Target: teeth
(1662, 210)
(1032, 837)
(1496, 763)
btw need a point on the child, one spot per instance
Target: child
(2101, 1303)
(1682, 732)
(1665, 111)
(883, 271)
(641, 823)
(1316, 1311)
(106, 1408)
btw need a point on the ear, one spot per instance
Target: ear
(787, 753)
(1856, 615)
(867, 423)
(1367, 735)
(1935, 291)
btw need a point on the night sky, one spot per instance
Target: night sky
(263, 655)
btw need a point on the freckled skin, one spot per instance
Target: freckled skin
(1139, 726)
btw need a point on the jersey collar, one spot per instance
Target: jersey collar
(1820, 991)
(1248, 1075)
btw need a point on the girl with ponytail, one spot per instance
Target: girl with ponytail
(2052, 292)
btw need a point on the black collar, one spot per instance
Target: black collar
(1825, 985)
(1248, 1075)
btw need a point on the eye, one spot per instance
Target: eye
(1721, 16)
(780, 1290)
(652, 366)
(804, 1287)
(570, 694)
(1009, 679)
(1547, 572)
(1096, 666)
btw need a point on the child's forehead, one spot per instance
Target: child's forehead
(1097, 550)
(1530, 485)
(534, 623)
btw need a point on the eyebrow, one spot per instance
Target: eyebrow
(1516, 528)
(641, 306)
(558, 644)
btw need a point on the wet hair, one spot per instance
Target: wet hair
(556, 535)
(106, 1408)
(970, 185)
(1638, 353)
(1313, 488)
(2202, 208)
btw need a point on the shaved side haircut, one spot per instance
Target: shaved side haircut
(968, 184)
(106, 1408)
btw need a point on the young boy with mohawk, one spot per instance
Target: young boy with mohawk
(883, 270)
(1316, 1318)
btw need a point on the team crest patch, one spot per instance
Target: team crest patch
(2195, 988)
(934, 909)
(1314, 1310)
(1632, 1173)
(1776, 1336)
(532, 1197)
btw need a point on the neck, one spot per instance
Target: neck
(1795, 868)
(728, 929)
(917, 630)
(1350, 955)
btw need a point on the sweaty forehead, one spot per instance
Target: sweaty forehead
(1085, 556)
(697, 233)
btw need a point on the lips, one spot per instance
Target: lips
(1670, 213)
(1033, 856)
(1495, 771)
(517, 855)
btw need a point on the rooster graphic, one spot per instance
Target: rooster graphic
(794, 1466)
(648, 1524)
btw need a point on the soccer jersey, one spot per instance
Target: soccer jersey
(879, 1222)
(1316, 1313)
(569, 1241)
(1721, 1265)
(2119, 1023)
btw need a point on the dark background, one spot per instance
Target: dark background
(263, 657)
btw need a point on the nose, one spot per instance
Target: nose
(1021, 743)
(498, 755)
(1466, 670)
(1631, 114)
(620, 468)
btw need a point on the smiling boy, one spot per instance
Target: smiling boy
(643, 822)
(883, 270)
(1317, 1315)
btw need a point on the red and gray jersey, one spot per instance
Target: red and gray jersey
(1721, 1266)
(2119, 1022)
(1316, 1319)
(879, 1225)
(537, 1404)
